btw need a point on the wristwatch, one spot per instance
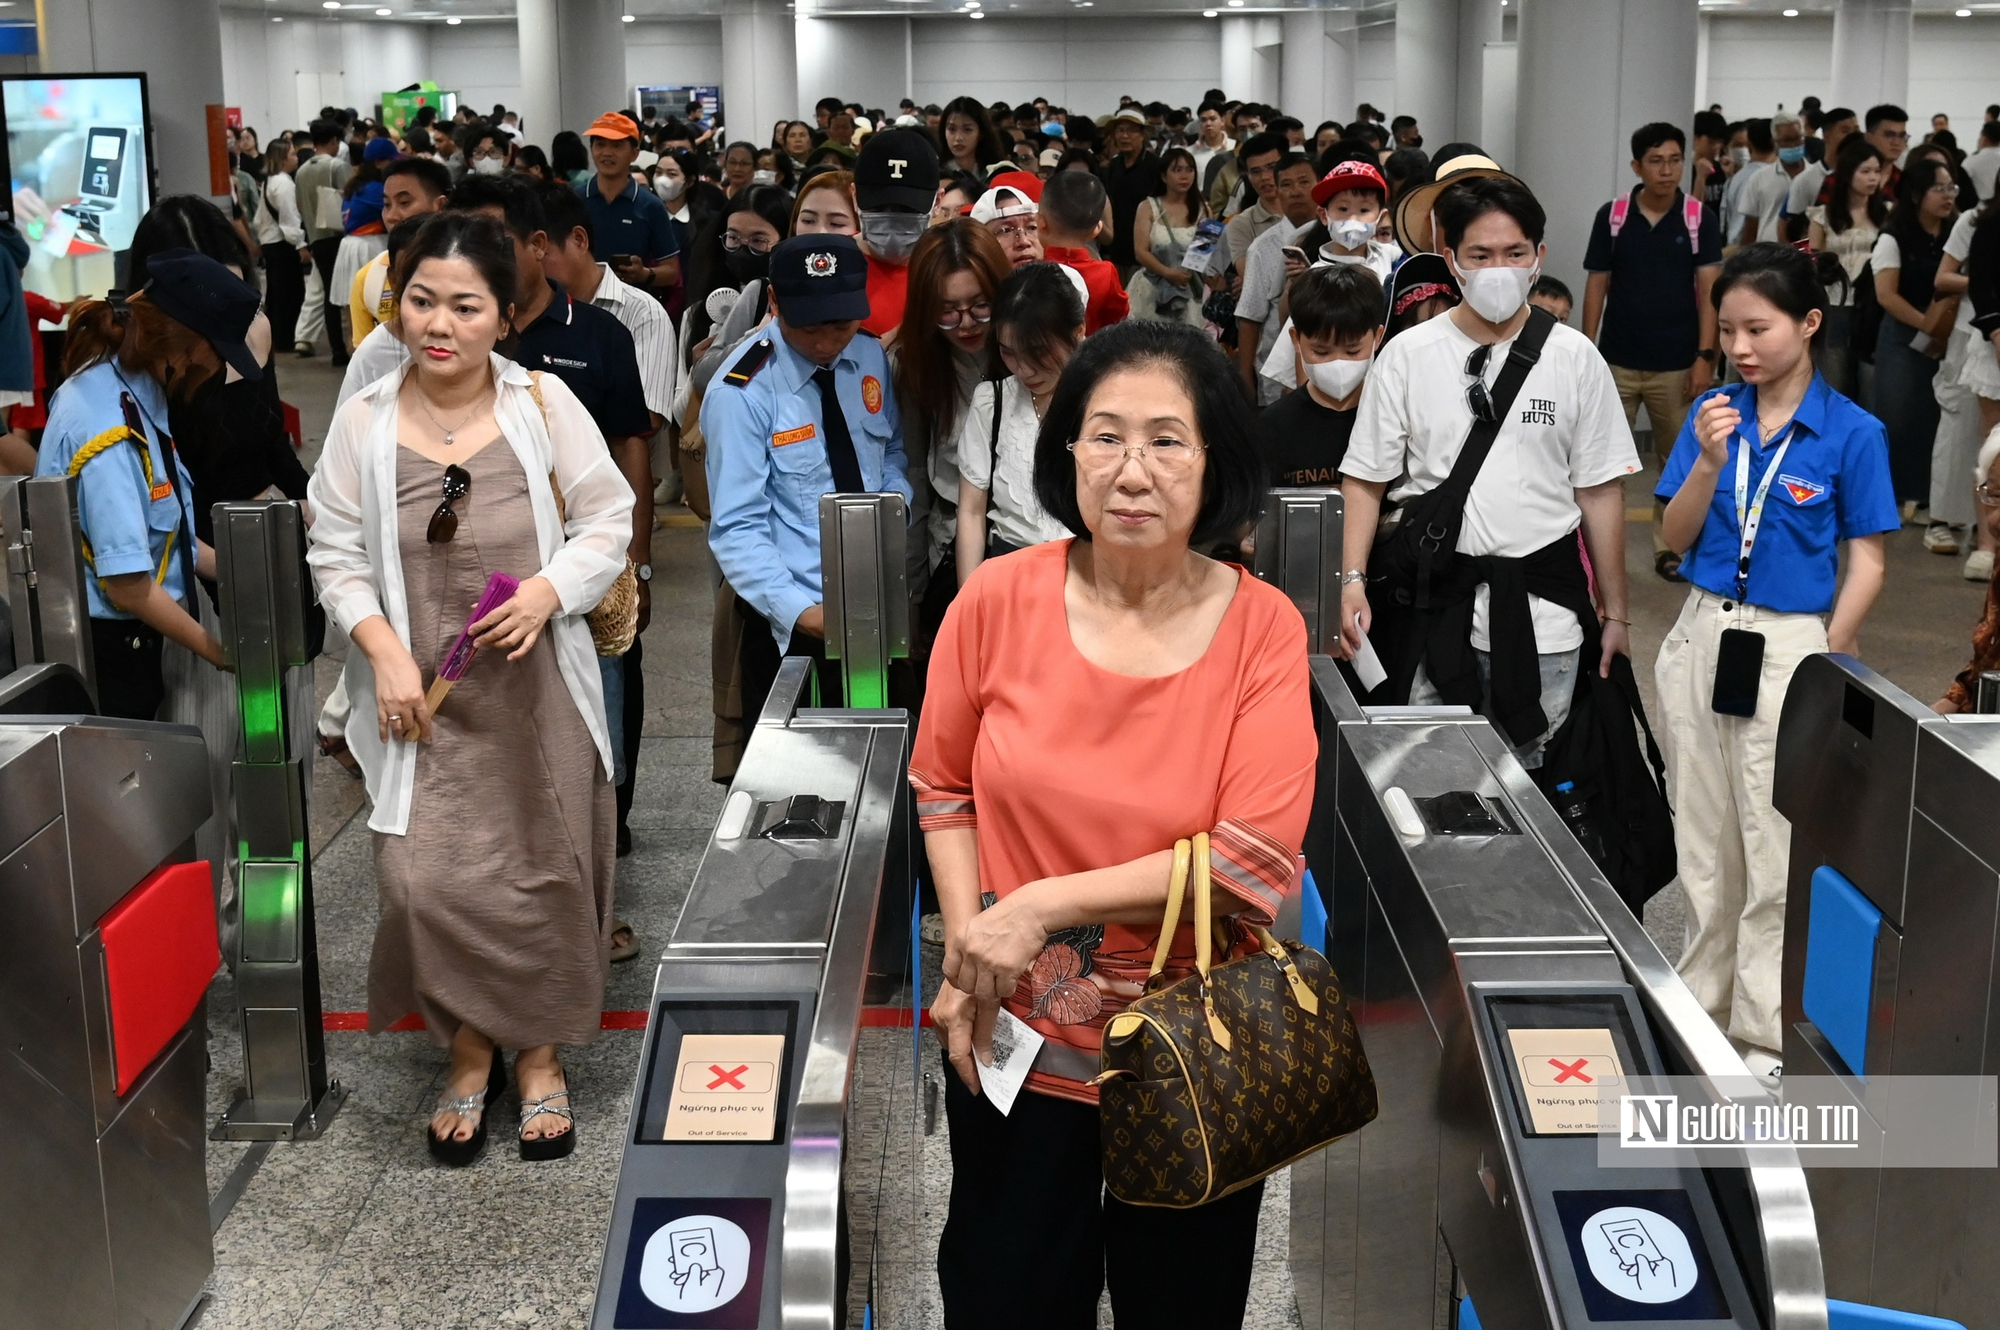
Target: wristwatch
(644, 572)
(1353, 575)
(1707, 353)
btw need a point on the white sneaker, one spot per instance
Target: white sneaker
(1766, 1067)
(1979, 566)
(1941, 538)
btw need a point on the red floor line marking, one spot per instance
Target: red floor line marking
(871, 1017)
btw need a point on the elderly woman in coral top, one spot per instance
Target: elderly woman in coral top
(1090, 702)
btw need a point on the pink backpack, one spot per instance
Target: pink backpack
(1621, 208)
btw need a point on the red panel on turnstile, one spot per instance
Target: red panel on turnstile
(160, 952)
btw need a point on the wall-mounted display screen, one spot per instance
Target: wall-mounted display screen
(79, 161)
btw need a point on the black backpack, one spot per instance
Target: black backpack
(1866, 321)
(1597, 752)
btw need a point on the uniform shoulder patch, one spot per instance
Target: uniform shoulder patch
(753, 360)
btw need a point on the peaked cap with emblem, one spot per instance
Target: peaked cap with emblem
(819, 279)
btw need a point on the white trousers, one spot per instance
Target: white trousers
(1733, 847)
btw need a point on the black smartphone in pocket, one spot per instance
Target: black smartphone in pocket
(1739, 664)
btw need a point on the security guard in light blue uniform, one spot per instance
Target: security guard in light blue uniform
(805, 410)
(108, 428)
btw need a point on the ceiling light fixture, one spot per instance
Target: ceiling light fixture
(384, 13)
(329, 4)
(1961, 13)
(1208, 13)
(453, 22)
(1791, 13)
(276, 19)
(628, 18)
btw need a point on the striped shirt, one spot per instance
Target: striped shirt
(652, 336)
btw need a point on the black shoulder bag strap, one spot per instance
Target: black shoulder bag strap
(1444, 516)
(136, 422)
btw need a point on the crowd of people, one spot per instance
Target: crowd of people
(1081, 349)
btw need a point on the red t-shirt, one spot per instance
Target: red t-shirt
(1108, 302)
(888, 286)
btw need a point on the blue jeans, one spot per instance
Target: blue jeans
(1558, 685)
(612, 670)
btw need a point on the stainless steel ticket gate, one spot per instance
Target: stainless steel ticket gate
(1298, 551)
(1485, 955)
(46, 602)
(863, 576)
(266, 593)
(107, 952)
(1890, 969)
(770, 1159)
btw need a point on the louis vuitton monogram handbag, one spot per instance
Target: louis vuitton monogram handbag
(1213, 1082)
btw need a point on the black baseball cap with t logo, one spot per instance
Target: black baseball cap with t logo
(897, 168)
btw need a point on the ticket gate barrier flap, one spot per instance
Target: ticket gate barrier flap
(792, 924)
(1891, 809)
(1298, 551)
(1428, 930)
(117, 1232)
(864, 581)
(46, 595)
(287, 1094)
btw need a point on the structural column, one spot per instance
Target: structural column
(1251, 57)
(1478, 27)
(1317, 66)
(178, 43)
(538, 33)
(1427, 67)
(760, 67)
(1591, 72)
(1871, 53)
(591, 61)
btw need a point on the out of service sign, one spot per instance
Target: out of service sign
(725, 1088)
(1564, 1074)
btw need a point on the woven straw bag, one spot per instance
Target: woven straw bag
(614, 624)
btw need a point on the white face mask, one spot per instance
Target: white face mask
(1496, 294)
(488, 166)
(1350, 232)
(669, 190)
(1741, 156)
(1337, 378)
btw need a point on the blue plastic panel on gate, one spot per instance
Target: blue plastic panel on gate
(1840, 964)
(1312, 914)
(1860, 1316)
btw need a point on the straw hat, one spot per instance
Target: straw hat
(1413, 209)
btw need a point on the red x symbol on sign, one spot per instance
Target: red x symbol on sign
(1564, 1070)
(731, 1078)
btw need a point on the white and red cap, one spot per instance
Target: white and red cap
(1349, 175)
(1014, 194)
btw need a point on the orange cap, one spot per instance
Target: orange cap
(612, 125)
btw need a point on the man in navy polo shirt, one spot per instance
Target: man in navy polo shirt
(590, 350)
(1655, 270)
(629, 225)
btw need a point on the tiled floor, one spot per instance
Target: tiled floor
(361, 1229)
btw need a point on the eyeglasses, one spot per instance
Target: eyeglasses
(1987, 495)
(444, 522)
(732, 242)
(979, 311)
(1016, 230)
(1945, 187)
(1167, 455)
(1476, 396)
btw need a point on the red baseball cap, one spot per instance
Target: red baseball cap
(1346, 176)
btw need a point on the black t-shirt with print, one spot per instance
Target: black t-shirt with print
(1302, 442)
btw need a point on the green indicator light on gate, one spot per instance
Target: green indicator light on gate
(270, 902)
(263, 714)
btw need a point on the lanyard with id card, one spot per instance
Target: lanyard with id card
(1739, 655)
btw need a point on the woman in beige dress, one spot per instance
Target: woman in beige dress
(494, 843)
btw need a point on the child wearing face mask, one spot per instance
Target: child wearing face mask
(1351, 198)
(1338, 312)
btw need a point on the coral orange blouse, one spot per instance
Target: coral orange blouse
(1064, 767)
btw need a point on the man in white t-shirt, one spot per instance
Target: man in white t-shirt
(1764, 193)
(1213, 142)
(1556, 464)
(1984, 164)
(1267, 269)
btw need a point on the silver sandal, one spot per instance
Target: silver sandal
(472, 1107)
(548, 1147)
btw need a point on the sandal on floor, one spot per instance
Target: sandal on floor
(549, 1147)
(629, 948)
(335, 747)
(449, 1149)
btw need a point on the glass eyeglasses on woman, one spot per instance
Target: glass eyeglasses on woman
(979, 311)
(1166, 455)
(733, 241)
(1988, 496)
(444, 522)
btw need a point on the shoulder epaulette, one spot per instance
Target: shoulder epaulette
(744, 370)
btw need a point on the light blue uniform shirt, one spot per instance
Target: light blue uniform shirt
(767, 467)
(128, 529)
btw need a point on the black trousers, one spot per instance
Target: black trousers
(759, 656)
(284, 293)
(1031, 1236)
(127, 659)
(324, 253)
(634, 727)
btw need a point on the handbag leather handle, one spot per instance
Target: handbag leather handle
(1176, 890)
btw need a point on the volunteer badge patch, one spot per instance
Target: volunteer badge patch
(1802, 491)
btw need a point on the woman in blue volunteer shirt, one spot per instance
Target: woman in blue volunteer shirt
(1769, 476)
(124, 359)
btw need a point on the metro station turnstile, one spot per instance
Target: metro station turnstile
(1890, 966)
(1475, 937)
(55, 662)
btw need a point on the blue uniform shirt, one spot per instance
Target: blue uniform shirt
(1834, 487)
(767, 467)
(127, 526)
(635, 222)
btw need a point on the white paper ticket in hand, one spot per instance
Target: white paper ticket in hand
(1015, 1044)
(725, 1088)
(1368, 666)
